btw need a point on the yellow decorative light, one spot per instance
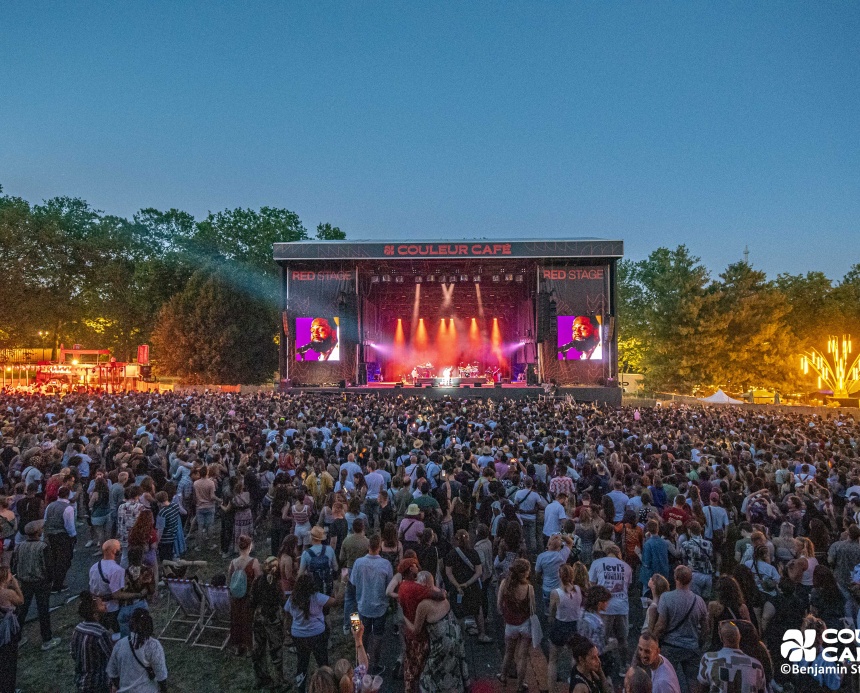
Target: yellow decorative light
(834, 371)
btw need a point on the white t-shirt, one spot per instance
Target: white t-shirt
(553, 516)
(664, 679)
(616, 576)
(115, 576)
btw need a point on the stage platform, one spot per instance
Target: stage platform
(603, 395)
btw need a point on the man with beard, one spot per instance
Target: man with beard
(323, 341)
(585, 338)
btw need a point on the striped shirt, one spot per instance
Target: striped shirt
(91, 647)
(168, 522)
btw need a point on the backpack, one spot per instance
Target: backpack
(238, 584)
(319, 569)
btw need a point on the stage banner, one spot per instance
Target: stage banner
(578, 341)
(320, 349)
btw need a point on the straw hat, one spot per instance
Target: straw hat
(412, 511)
(318, 533)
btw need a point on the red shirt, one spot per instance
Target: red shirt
(410, 594)
(674, 514)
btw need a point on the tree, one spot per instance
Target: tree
(216, 332)
(327, 232)
(246, 236)
(632, 332)
(686, 332)
(759, 348)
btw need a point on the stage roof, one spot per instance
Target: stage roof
(479, 248)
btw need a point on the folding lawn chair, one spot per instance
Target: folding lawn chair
(190, 608)
(217, 617)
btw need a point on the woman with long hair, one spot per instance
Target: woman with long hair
(243, 518)
(391, 549)
(515, 602)
(144, 536)
(99, 504)
(658, 585)
(310, 633)
(751, 595)
(565, 610)
(301, 517)
(587, 675)
(137, 662)
(826, 600)
(806, 549)
(288, 563)
(241, 615)
(586, 530)
(728, 603)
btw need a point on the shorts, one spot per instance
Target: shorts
(100, 521)
(561, 632)
(205, 518)
(524, 630)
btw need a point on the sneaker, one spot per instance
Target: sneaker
(89, 544)
(50, 645)
(346, 630)
(484, 639)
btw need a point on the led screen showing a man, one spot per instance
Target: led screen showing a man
(579, 338)
(317, 339)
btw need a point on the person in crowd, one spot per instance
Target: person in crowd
(267, 605)
(370, 576)
(616, 576)
(587, 674)
(729, 669)
(138, 589)
(464, 570)
(445, 670)
(11, 599)
(516, 604)
(681, 627)
(61, 535)
(32, 566)
(663, 676)
(137, 661)
(307, 607)
(565, 610)
(91, 646)
(241, 574)
(698, 554)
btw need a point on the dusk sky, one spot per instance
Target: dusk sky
(717, 125)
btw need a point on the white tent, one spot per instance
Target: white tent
(720, 397)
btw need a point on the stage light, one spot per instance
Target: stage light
(386, 277)
(374, 279)
(398, 279)
(476, 278)
(452, 279)
(496, 278)
(431, 277)
(419, 279)
(509, 277)
(520, 278)
(464, 277)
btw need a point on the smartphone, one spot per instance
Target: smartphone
(354, 621)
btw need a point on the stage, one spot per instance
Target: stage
(603, 395)
(465, 317)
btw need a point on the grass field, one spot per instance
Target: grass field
(190, 669)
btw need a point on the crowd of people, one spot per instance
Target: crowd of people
(593, 549)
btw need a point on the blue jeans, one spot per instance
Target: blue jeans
(350, 603)
(125, 613)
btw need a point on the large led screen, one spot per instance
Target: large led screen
(318, 339)
(580, 338)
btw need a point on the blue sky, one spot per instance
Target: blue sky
(718, 125)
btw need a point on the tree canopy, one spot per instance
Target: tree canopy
(83, 276)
